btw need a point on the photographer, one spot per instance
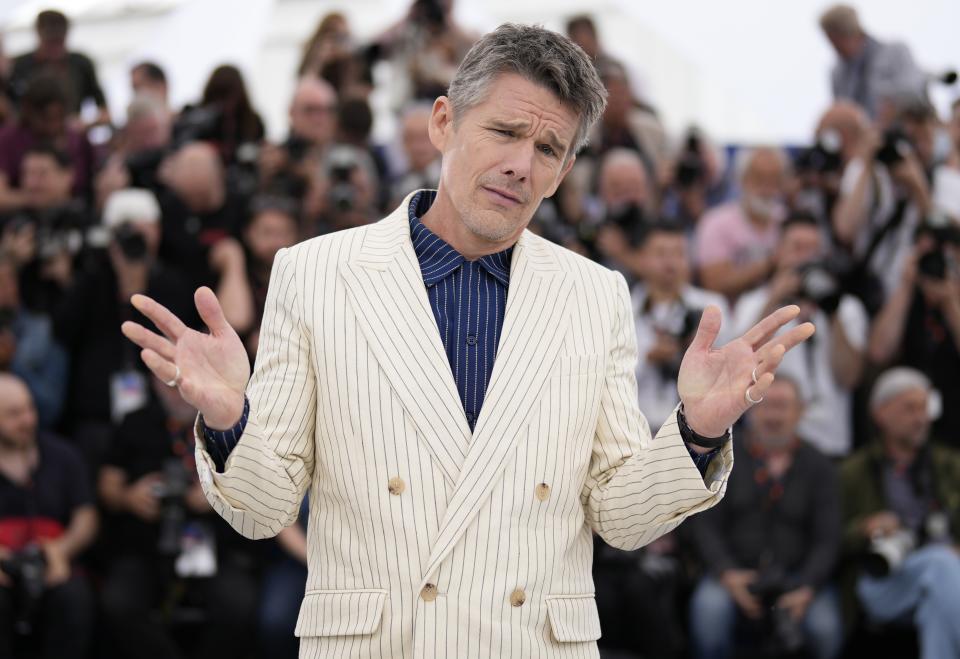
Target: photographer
(693, 181)
(106, 380)
(47, 519)
(627, 200)
(667, 310)
(161, 529)
(735, 241)
(769, 548)
(884, 193)
(830, 366)
(919, 326)
(902, 516)
(28, 349)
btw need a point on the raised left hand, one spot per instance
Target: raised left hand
(713, 382)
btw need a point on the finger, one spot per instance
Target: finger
(162, 368)
(769, 326)
(165, 321)
(757, 391)
(794, 337)
(147, 339)
(708, 329)
(210, 312)
(770, 361)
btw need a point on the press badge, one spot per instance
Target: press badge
(198, 551)
(128, 393)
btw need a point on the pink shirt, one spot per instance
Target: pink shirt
(724, 234)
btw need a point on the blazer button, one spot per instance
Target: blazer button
(543, 491)
(396, 486)
(518, 597)
(429, 592)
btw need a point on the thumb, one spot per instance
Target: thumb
(210, 312)
(708, 330)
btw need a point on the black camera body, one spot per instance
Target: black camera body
(934, 264)
(173, 512)
(683, 330)
(821, 282)
(27, 570)
(783, 634)
(131, 242)
(895, 147)
(690, 168)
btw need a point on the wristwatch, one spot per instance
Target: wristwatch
(691, 437)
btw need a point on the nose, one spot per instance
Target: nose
(518, 160)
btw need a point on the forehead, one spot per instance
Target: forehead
(512, 97)
(801, 232)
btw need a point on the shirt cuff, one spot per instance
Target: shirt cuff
(221, 442)
(702, 460)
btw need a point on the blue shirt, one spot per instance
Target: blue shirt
(468, 299)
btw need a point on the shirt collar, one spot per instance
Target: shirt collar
(437, 258)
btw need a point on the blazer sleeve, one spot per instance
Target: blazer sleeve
(268, 472)
(640, 487)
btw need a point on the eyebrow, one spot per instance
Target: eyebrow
(552, 138)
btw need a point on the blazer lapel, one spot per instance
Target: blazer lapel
(388, 298)
(534, 326)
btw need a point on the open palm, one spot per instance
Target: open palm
(210, 370)
(713, 381)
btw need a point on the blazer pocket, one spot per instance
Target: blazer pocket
(576, 365)
(573, 617)
(340, 612)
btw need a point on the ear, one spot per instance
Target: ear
(561, 176)
(441, 123)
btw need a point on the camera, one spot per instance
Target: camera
(821, 283)
(341, 163)
(934, 264)
(895, 147)
(681, 326)
(784, 634)
(173, 513)
(886, 553)
(131, 242)
(690, 168)
(823, 157)
(27, 569)
(57, 229)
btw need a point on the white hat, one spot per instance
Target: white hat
(130, 205)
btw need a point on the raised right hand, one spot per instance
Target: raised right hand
(213, 367)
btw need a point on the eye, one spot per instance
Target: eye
(547, 150)
(503, 131)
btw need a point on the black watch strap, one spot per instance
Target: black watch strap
(691, 437)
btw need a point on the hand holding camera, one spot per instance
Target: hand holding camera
(142, 499)
(737, 583)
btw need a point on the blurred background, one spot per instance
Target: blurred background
(752, 154)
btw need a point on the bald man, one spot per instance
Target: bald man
(46, 505)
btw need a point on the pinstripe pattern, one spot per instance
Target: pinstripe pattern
(352, 389)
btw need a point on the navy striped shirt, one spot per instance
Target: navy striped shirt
(468, 299)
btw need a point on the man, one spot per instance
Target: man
(422, 159)
(149, 78)
(627, 200)
(735, 241)
(829, 367)
(666, 310)
(73, 71)
(771, 545)
(902, 490)
(46, 506)
(465, 497)
(871, 73)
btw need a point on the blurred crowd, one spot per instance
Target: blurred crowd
(841, 522)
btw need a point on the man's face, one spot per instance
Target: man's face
(144, 84)
(619, 100)
(18, 416)
(623, 184)
(270, 231)
(586, 38)
(151, 131)
(905, 419)
(773, 423)
(799, 244)
(313, 113)
(47, 123)
(665, 260)
(416, 141)
(504, 155)
(847, 46)
(44, 182)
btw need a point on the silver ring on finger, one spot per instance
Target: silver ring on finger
(176, 379)
(754, 374)
(751, 401)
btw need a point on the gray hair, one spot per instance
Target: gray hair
(541, 56)
(896, 381)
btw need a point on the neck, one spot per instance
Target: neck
(900, 452)
(445, 221)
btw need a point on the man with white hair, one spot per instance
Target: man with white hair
(902, 516)
(735, 242)
(869, 72)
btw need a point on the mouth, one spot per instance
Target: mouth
(502, 197)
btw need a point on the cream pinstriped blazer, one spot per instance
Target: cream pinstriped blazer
(425, 541)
